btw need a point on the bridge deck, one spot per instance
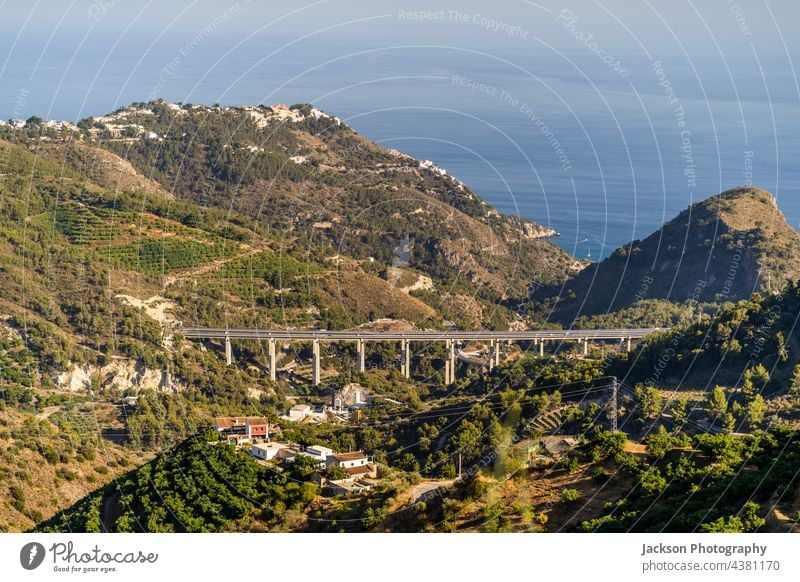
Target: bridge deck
(428, 335)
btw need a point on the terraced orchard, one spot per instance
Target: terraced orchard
(139, 241)
(200, 486)
(155, 256)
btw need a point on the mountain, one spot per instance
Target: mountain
(268, 216)
(721, 249)
(309, 179)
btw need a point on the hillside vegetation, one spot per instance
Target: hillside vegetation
(198, 486)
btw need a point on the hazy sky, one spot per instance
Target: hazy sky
(48, 47)
(621, 24)
(431, 77)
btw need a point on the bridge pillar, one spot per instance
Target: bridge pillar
(585, 346)
(629, 344)
(228, 352)
(447, 380)
(362, 348)
(494, 354)
(541, 347)
(273, 372)
(315, 365)
(451, 358)
(406, 363)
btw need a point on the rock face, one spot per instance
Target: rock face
(122, 374)
(721, 249)
(408, 281)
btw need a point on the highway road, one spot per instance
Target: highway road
(416, 335)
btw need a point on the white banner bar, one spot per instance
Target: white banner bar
(414, 557)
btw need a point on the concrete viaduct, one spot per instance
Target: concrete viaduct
(450, 338)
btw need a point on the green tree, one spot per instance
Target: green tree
(717, 402)
(609, 443)
(335, 473)
(730, 524)
(308, 491)
(650, 401)
(652, 482)
(569, 495)
(679, 410)
(468, 439)
(728, 422)
(751, 520)
(756, 409)
(794, 384)
(659, 443)
(755, 380)
(408, 462)
(373, 516)
(780, 347)
(370, 439)
(303, 466)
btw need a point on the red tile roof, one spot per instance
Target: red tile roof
(231, 421)
(224, 422)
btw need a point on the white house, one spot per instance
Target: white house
(299, 411)
(318, 451)
(267, 451)
(348, 460)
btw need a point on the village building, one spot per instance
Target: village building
(344, 487)
(267, 451)
(350, 396)
(242, 429)
(299, 412)
(348, 460)
(318, 453)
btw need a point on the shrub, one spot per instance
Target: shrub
(599, 474)
(66, 474)
(569, 495)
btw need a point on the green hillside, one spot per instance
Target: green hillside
(721, 249)
(198, 486)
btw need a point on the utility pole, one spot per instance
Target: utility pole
(614, 394)
(459, 464)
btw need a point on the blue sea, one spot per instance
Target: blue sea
(560, 138)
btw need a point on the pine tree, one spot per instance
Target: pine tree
(717, 403)
(755, 411)
(794, 385)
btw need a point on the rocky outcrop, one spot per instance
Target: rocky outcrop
(121, 374)
(721, 249)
